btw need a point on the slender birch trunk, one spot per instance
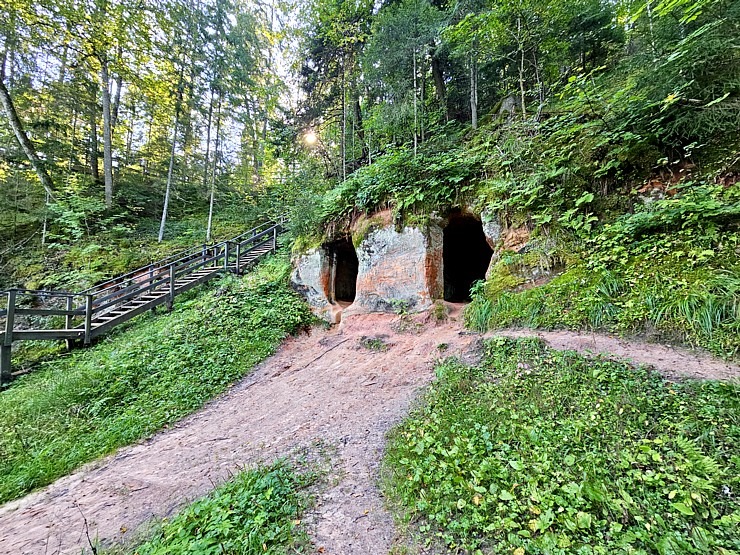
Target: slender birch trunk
(107, 132)
(215, 167)
(208, 143)
(20, 134)
(171, 170)
(521, 67)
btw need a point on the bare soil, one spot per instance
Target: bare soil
(675, 363)
(343, 388)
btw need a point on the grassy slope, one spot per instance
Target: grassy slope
(544, 452)
(256, 512)
(82, 406)
(667, 269)
(76, 263)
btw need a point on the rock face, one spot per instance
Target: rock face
(398, 270)
(378, 268)
(395, 271)
(492, 228)
(310, 278)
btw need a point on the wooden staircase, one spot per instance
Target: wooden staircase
(95, 311)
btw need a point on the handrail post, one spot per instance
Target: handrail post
(88, 320)
(274, 239)
(68, 321)
(226, 255)
(7, 345)
(171, 300)
(239, 259)
(151, 281)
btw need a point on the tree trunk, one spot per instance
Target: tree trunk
(440, 88)
(115, 110)
(171, 170)
(360, 128)
(63, 64)
(422, 100)
(416, 110)
(21, 136)
(208, 144)
(94, 165)
(252, 113)
(344, 123)
(521, 67)
(473, 91)
(130, 132)
(107, 133)
(215, 168)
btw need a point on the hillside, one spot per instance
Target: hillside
(509, 321)
(621, 174)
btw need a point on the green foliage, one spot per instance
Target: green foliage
(408, 183)
(376, 344)
(80, 407)
(254, 513)
(669, 269)
(546, 452)
(91, 245)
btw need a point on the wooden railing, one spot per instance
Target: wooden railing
(79, 317)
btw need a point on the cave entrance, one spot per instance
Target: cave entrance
(466, 256)
(345, 267)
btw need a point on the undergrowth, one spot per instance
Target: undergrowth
(543, 452)
(257, 512)
(77, 408)
(92, 248)
(670, 270)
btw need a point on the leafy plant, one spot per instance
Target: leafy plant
(256, 512)
(545, 452)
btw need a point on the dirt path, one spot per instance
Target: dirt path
(672, 362)
(324, 388)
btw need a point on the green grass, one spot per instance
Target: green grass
(668, 300)
(83, 406)
(543, 452)
(255, 513)
(75, 264)
(669, 270)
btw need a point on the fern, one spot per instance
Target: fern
(700, 464)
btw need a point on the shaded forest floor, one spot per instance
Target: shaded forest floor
(335, 391)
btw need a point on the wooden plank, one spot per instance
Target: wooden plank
(171, 299)
(103, 327)
(28, 335)
(5, 356)
(114, 299)
(10, 319)
(68, 319)
(48, 312)
(88, 319)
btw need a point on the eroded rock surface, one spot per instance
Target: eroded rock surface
(397, 270)
(310, 278)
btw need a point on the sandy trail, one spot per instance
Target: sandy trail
(324, 387)
(673, 362)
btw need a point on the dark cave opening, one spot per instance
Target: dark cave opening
(466, 256)
(346, 266)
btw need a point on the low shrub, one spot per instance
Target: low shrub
(544, 452)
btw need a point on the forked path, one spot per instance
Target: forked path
(324, 387)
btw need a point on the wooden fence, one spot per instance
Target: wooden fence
(80, 317)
